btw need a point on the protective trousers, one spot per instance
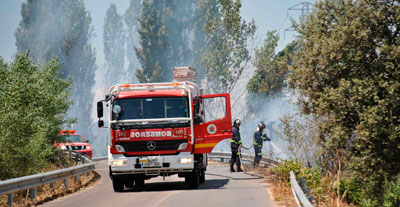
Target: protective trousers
(235, 158)
(257, 156)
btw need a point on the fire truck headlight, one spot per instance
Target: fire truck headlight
(119, 162)
(185, 160)
(183, 146)
(119, 148)
(63, 147)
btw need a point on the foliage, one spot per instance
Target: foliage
(227, 36)
(114, 46)
(268, 80)
(165, 31)
(353, 187)
(391, 197)
(347, 74)
(299, 133)
(282, 170)
(34, 102)
(62, 29)
(152, 41)
(131, 20)
(357, 191)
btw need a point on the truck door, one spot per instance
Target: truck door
(217, 123)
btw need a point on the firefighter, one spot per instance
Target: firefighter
(259, 138)
(236, 143)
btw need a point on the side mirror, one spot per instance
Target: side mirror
(100, 123)
(87, 141)
(99, 109)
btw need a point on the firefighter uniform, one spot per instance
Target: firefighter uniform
(259, 139)
(258, 144)
(236, 143)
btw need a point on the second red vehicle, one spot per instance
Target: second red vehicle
(69, 140)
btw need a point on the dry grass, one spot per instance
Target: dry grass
(45, 193)
(280, 192)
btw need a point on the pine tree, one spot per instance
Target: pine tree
(131, 20)
(62, 29)
(153, 45)
(114, 46)
(166, 40)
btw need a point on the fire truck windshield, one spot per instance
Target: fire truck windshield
(150, 108)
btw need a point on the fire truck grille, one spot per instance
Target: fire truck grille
(142, 146)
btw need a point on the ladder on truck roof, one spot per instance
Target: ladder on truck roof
(115, 89)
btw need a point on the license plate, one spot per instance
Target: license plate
(149, 162)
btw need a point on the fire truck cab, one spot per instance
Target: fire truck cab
(162, 129)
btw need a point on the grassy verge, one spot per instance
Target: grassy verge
(45, 193)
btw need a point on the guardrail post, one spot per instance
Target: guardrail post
(66, 183)
(32, 193)
(75, 178)
(10, 199)
(52, 185)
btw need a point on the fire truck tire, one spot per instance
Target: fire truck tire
(139, 182)
(202, 175)
(129, 182)
(193, 179)
(118, 184)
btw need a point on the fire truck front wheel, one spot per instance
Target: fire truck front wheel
(129, 182)
(118, 183)
(193, 179)
(139, 182)
(202, 175)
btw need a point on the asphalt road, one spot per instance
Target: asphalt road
(221, 188)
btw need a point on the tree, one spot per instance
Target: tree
(62, 29)
(35, 101)
(227, 36)
(268, 80)
(131, 20)
(271, 68)
(114, 46)
(347, 74)
(153, 43)
(165, 38)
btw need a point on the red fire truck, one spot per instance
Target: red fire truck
(162, 129)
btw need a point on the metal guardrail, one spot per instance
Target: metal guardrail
(227, 156)
(32, 181)
(298, 193)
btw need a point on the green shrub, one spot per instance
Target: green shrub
(33, 103)
(352, 186)
(391, 197)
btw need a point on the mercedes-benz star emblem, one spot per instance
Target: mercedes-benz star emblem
(151, 145)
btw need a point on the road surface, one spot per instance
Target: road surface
(221, 188)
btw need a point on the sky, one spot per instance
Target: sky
(268, 15)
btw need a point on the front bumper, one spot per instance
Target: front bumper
(86, 152)
(151, 165)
